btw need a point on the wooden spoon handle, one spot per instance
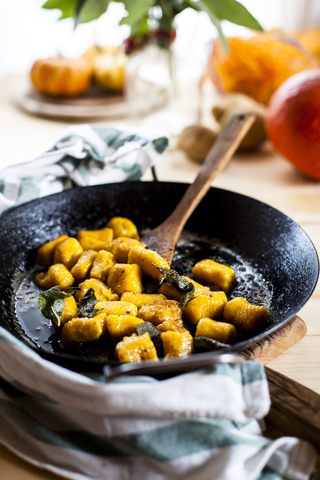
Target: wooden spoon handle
(164, 238)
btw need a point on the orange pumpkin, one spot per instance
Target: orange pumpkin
(257, 65)
(293, 120)
(310, 38)
(61, 77)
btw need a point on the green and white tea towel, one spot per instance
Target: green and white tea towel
(85, 155)
(197, 426)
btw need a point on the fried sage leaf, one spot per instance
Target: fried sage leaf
(154, 334)
(86, 307)
(187, 296)
(51, 303)
(178, 282)
(205, 344)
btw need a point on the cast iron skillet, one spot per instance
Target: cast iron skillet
(273, 242)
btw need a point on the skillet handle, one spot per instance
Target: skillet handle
(172, 367)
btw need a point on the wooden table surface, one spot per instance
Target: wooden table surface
(263, 175)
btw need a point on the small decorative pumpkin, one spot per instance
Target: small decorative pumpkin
(108, 64)
(61, 77)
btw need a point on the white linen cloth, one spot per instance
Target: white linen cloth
(199, 426)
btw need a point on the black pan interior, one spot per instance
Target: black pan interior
(274, 243)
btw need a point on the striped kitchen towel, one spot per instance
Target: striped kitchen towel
(203, 425)
(85, 155)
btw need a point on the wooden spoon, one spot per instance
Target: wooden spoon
(164, 238)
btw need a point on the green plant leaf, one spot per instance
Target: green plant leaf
(82, 11)
(178, 282)
(233, 11)
(51, 303)
(154, 334)
(67, 7)
(142, 28)
(77, 18)
(87, 304)
(137, 12)
(187, 296)
(204, 344)
(92, 9)
(176, 6)
(175, 280)
(202, 6)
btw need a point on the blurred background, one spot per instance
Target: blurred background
(190, 67)
(28, 32)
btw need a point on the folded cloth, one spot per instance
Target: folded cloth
(198, 426)
(85, 155)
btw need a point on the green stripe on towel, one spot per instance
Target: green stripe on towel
(162, 444)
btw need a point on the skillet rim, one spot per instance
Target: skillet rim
(88, 364)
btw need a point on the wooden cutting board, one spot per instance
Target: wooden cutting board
(273, 345)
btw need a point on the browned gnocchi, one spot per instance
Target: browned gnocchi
(99, 277)
(81, 269)
(161, 311)
(57, 275)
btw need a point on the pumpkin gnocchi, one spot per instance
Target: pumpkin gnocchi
(99, 278)
(81, 269)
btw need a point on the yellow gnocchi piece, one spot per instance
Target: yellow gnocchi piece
(79, 330)
(95, 239)
(158, 312)
(172, 293)
(101, 265)
(101, 291)
(146, 259)
(117, 308)
(214, 274)
(81, 269)
(123, 227)
(120, 326)
(67, 252)
(45, 252)
(172, 326)
(57, 275)
(125, 278)
(209, 305)
(70, 310)
(141, 299)
(177, 344)
(120, 247)
(244, 316)
(136, 349)
(91, 243)
(220, 331)
(103, 234)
